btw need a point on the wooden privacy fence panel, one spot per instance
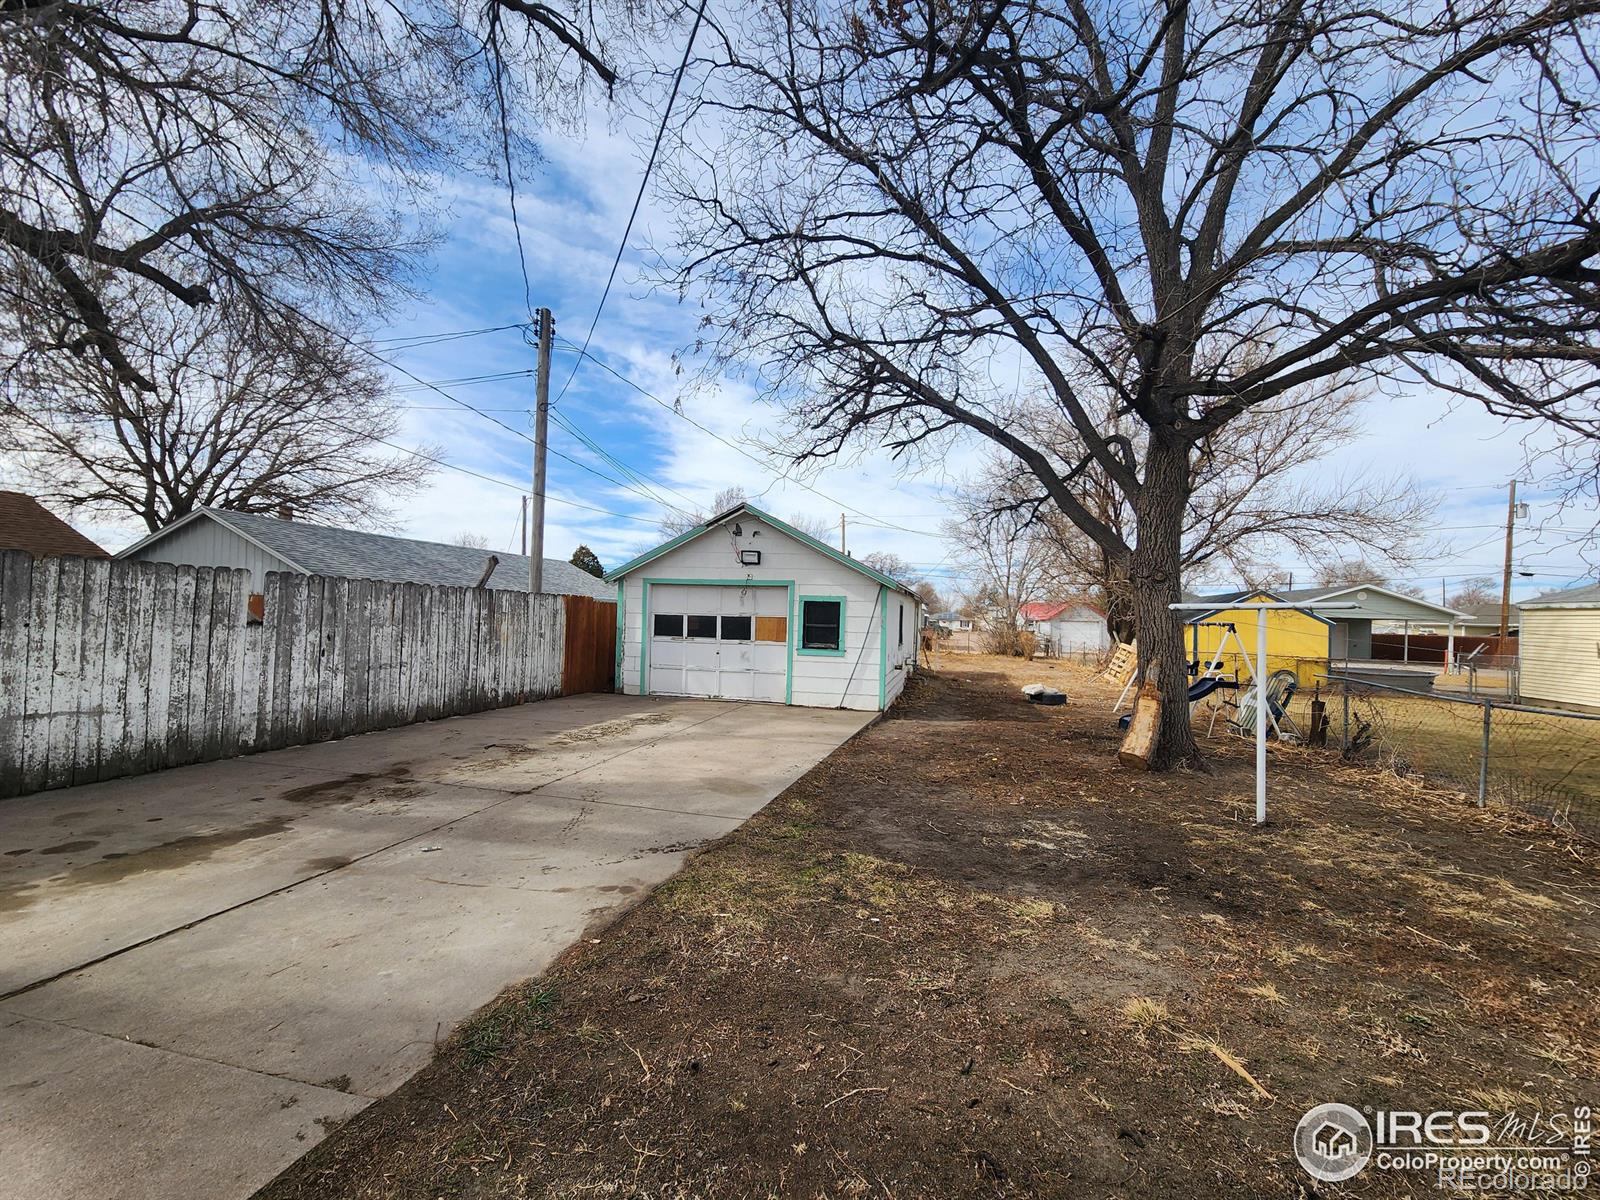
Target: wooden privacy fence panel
(1431, 647)
(590, 661)
(112, 668)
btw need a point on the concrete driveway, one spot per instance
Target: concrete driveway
(204, 969)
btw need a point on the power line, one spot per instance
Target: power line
(455, 335)
(638, 199)
(671, 408)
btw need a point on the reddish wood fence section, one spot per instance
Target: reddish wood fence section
(590, 661)
(1430, 647)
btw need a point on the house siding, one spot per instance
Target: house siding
(1296, 641)
(848, 680)
(207, 543)
(1560, 657)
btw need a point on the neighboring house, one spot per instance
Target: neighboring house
(745, 607)
(1560, 645)
(953, 621)
(25, 524)
(1306, 641)
(1066, 626)
(1485, 622)
(211, 537)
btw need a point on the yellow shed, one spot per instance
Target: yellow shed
(1296, 641)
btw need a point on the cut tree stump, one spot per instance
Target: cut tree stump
(1139, 743)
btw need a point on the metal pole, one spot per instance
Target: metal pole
(1505, 579)
(1483, 757)
(541, 430)
(1261, 717)
(525, 527)
(1345, 741)
(842, 549)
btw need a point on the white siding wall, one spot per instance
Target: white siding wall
(1070, 635)
(1560, 651)
(822, 681)
(207, 543)
(904, 616)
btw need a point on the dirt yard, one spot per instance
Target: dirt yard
(969, 955)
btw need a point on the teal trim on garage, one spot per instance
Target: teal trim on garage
(805, 539)
(644, 624)
(844, 634)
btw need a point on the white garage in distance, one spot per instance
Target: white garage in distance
(745, 607)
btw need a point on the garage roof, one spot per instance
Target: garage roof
(1587, 596)
(751, 510)
(324, 550)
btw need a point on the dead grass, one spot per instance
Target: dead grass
(969, 956)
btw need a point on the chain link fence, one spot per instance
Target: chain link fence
(1543, 762)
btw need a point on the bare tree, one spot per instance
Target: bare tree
(224, 154)
(1165, 213)
(1352, 572)
(1476, 593)
(886, 562)
(678, 522)
(820, 528)
(472, 541)
(1250, 502)
(1004, 555)
(226, 422)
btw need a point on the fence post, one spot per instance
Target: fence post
(1483, 756)
(1344, 736)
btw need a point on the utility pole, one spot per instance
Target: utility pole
(541, 432)
(841, 534)
(525, 528)
(1505, 581)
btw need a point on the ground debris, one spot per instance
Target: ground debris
(970, 955)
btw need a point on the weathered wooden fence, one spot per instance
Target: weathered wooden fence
(113, 668)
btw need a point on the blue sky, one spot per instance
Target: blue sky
(573, 208)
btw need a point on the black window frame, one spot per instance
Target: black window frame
(749, 627)
(836, 646)
(689, 626)
(655, 624)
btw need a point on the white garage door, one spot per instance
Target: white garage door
(725, 642)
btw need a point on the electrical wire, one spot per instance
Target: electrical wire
(622, 244)
(870, 519)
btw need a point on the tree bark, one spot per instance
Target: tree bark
(1156, 572)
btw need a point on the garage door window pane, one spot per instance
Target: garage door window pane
(736, 629)
(702, 627)
(669, 625)
(819, 624)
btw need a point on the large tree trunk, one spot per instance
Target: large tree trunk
(1156, 571)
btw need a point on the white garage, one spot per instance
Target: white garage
(746, 607)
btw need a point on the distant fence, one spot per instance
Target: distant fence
(1541, 761)
(1431, 647)
(112, 668)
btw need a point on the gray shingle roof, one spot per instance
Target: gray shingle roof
(1489, 616)
(1589, 593)
(322, 550)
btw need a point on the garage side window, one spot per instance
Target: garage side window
(821, 624)
(668, 624)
